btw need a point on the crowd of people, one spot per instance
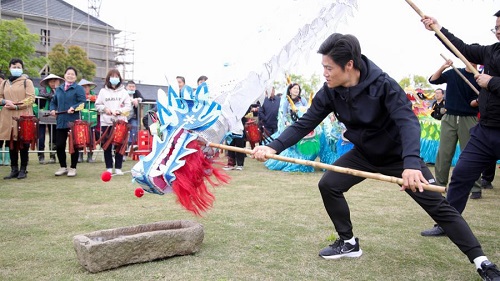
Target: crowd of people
(61, 102)
(378, 120)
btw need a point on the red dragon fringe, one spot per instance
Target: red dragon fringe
(190, 183)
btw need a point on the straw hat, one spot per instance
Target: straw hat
(84, 82)
(43, 83)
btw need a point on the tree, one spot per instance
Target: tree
(60, 58)
(416, 81)
(16, 41)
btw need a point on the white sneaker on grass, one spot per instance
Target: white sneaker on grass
(71, 172)
(118, 172)
(61, 171)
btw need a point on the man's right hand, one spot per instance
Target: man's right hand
(259, 152)
(428, 21)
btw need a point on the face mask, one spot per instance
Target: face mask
(131, 92)
(114, 81)
(16, 72)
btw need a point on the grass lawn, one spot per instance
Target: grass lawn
(264, 225)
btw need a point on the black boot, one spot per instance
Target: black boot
(52, 158)
(14, 171)
(41, 158)
(22, 173)
(89, 157)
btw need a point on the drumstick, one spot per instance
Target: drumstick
(333, 168)
(78, 108)
(445, 40)
(462, 76)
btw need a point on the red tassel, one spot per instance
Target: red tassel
(71, 146)
(189, 185)
(11, 145)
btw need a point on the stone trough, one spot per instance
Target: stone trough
(111, 248)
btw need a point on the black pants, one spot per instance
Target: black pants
(239, 158)
(14, 156)
(61, 138)
(108, 153)
(333, 185)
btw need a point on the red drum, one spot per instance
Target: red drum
(118, 137)
(27, 130)
(252, 132)
(80, 136)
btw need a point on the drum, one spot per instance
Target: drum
(118, 136)
(252, 132)
(80, 136)
(27, 130)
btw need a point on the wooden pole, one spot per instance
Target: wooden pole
(462, 76)
(333, 168)
(445, 40)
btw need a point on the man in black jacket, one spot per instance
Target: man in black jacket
(386, 137)
(483, 148)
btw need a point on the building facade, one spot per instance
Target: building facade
(58, 22)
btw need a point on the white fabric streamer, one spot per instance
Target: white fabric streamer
(236, 97)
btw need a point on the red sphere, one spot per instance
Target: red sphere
(139, 192)
(106, 176)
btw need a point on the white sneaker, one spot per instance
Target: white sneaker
(228, 168)
(109, 170)
(61, 171)
(71, 172)
(239, 168)
(118, 172)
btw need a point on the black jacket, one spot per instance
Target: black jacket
(489, 56)
(376, 112)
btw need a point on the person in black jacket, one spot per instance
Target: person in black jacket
(483, 148)
(386, 136)
(438, 106)
(133, 118)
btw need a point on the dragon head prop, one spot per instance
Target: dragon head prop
(179, 161)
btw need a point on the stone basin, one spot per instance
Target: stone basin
(112, 248)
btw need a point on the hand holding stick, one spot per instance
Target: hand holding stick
(462, 76)
(445, 40)
(333, 168)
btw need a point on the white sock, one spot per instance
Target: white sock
(479, 260)
(351, 241)
(109, 170)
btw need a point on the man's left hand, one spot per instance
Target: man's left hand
(413, 179)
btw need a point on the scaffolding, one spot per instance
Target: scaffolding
(105, 46)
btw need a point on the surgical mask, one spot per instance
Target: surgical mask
(16, 72)
(114, 81)
(131, 92)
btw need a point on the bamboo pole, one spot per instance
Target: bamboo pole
(333, 168)
(445, 40)
(462, 76)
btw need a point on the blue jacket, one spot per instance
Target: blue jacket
(458, 93)
(63, 100)
(268, 112)
(377, 114)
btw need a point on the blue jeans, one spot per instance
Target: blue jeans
(133, 131)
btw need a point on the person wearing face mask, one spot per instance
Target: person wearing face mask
(17, 95)
(69, 96)
(113, 103)
(136, 99)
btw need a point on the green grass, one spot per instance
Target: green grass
(264, 225)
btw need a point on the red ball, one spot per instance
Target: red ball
(106, 176)
(139, 192)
